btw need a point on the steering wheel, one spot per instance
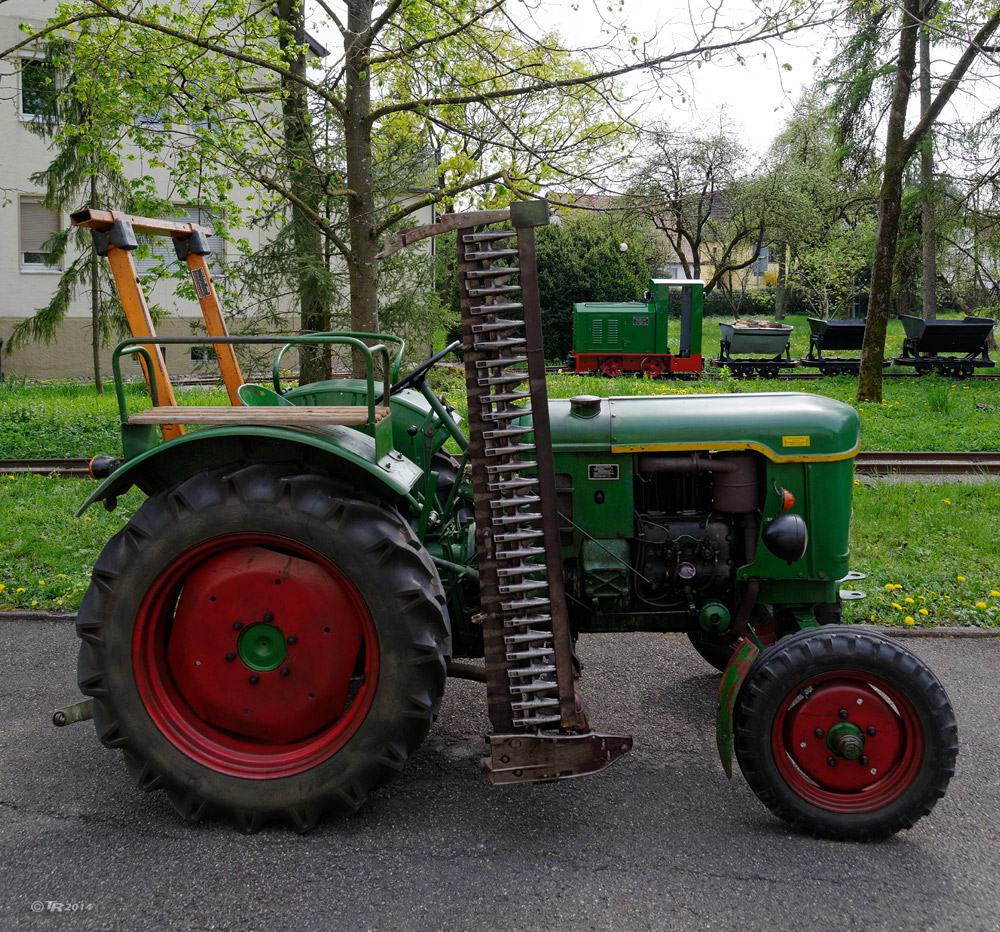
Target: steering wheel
(417, 375)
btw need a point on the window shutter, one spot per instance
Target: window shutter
(38, 223)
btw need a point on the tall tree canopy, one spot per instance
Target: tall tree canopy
(229, 94)
(873, 88)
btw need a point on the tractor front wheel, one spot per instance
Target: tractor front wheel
(263, 645)
(845, 734)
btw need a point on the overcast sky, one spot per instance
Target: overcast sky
(760, 95)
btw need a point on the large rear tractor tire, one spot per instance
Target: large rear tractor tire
(845, 734)
(263, 645)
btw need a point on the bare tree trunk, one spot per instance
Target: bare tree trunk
(95, 299)
(889, 203)
(899, 150)
(928, 238)
(362, 268)
(302, 168)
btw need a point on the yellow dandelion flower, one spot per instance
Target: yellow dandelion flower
(897, 605)
(922, 611)
(2, 587)
(908, 600)
(947, 501)
(871, 617)
(889, 586)
(41, 582)
(980, 605)
(961, 579)
(19, 589)
(34, 601)
(994, 592)
(61, 575)
(909, 620)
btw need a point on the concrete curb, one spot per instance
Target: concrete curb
(891, 631)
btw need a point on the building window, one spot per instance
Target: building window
(38, 89)
(161, 249)
(38, 223)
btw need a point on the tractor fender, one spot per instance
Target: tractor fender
(729, 688)
(333, 450)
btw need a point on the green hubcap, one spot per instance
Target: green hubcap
(845, 740)
(262, 647)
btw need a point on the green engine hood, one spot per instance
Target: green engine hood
(784, 426)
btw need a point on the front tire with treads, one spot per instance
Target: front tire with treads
(845, 733)
(263, 645)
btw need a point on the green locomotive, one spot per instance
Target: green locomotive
(614, 339)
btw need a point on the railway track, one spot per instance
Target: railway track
(871, 463)
(810, 376)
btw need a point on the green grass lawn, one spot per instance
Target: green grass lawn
(936, 543)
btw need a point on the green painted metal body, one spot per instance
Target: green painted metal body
(729, 689)
(340, 451)
(803, 444)
(633, 328)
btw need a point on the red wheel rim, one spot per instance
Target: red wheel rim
(612, 368)
(878, 716)
(653, 368)
(290, 614)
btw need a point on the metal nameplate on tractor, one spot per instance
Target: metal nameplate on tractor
(640, 321)
(605, 471)
(200, 281)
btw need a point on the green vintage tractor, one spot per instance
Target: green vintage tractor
(269, 636)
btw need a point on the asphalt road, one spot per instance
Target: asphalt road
(661, 841)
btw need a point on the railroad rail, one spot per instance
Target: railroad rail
(810, 376)
(64, 469)
(886, 462)
(871, 462)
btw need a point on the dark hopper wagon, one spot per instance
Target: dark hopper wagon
(953, 348)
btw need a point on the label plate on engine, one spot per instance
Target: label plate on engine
(605, 471)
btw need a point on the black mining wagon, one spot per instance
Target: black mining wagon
(755, 347)
(964, 341)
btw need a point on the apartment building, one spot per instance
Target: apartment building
(26, 279)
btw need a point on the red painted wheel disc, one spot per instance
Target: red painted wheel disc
(653, 367)
(612, 368)
(255, 656)
(884, 718)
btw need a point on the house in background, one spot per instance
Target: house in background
(762, 272)
(25, 224)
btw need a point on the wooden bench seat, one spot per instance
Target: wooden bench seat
(285, 416)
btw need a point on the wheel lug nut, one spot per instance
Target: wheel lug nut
(864, 760)
(285, 671)
(870, 730)
(231, 656)
(819, 732)
(843, 713)
(254, 679)
(832, 761)
(269, 616)
(237, 625)
(292, 639)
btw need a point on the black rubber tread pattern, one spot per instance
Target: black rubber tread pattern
(815, 651)
(369, 542)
